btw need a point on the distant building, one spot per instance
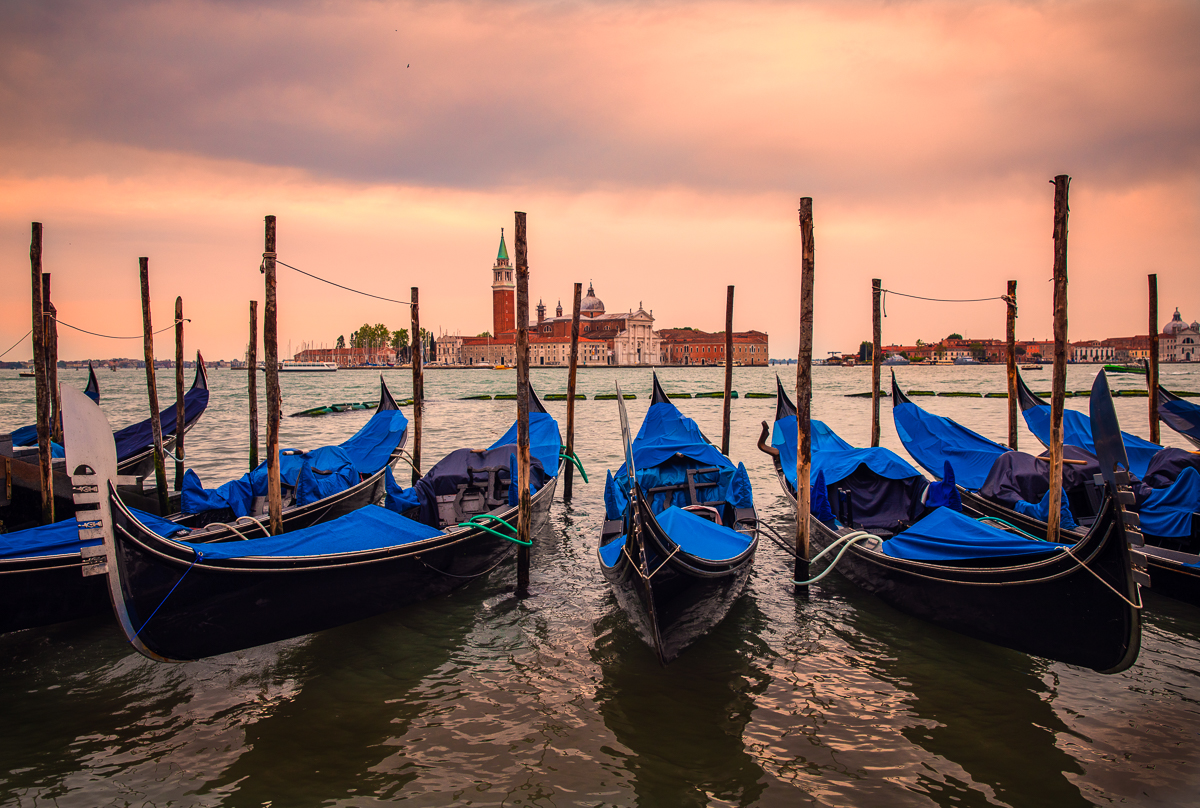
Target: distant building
(685, 346)
(1179, 342)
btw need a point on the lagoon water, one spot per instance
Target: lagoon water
(479, 699)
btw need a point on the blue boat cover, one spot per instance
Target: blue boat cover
(701, 538)
(371, 447)
(833, 456)
(471, 467)
(315, 475)
(947, 536)
(1077, 431)
(545, 443)
(399, 499)
(609, 553)
(368, 528)
(1182, 416)
(1041, 510)
(1168, 464)
(666, 432)
(819, 500)
(1167, 512)
(137, 437)
(933, 440)
(944, 494)
(62, 537)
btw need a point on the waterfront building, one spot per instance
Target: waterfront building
(685, 346)
(1179, 342)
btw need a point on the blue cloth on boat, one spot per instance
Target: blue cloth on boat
(819, 500)
(666, 432)
(137, 437)
(944, 494)
(1182, 416)
(833, 456)
(371, 447)
(949, 536)
(934, 440)
(615, 501)
(545, 443)
(368, 528)
(239, 494)
(609, 553)
(699, 537)
(62, 537)
(1168, 464)
(25, 436)
(1167, 512)
(326, 471)
(1041, 510)
(1077, 431)
(726, 484)
(821, 437)
(398, 499)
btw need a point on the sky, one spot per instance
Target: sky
(659, 149)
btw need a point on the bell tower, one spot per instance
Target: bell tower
(504, 292)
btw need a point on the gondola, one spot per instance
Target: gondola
(1075, 603)
(995, 481)
(180, 600)
(135, 443)
(680, 531)
(1182, 416)
(41, 567)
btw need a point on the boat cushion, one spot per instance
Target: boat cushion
(948, 536)
(699, 537)
(1167, 512)
(368, 528)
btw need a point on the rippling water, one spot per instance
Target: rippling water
(478, 699)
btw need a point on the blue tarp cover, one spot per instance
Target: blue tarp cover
(933, 440)
(369, 528)
(1041, 510)
(1168, 464)
(1077, 431)
(372, 446)
(545, 443)
(1182, 416)
(137, 437)
(666, 432)
(944, 494)
(610, 552)
(833, 456)
(697, 536)
(946, 536)
(1167, 512)
(63, 537)
(398, 498)
(239, 494)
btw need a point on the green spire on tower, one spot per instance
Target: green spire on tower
(502, 255)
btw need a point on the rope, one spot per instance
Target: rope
(885, 293)
(18, 342)
(199, 556)
(575, 461)
(109, 336)
(338, 285)
(515, 538)
(1011, 527)
(1067, 549)
(463, 577)
(847, 541)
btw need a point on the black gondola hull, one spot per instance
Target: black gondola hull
(180, 611)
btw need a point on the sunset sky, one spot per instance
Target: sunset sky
(660, 150)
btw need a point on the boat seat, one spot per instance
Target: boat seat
(690, 487)
(705, 512)
(485, 491)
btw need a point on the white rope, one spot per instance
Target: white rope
(846, 542)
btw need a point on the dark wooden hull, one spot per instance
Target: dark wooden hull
(683, 598)
(214, 607)
(1052, 608)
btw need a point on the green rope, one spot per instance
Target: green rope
(1011, 526)
(513, 538)
(576, 462)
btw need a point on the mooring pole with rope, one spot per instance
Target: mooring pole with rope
(568, 473)
(804, 395)
(725, 409)
(179, 408)
(1152, 360)
(525, 508)
(418, 383)
(274, 402)
(1062, 184)
(1011, 362)
(160, 466)
(876, 350)
(252, 383)
(41, 383)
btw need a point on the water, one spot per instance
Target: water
(477, 699)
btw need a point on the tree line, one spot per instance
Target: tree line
(373, 339)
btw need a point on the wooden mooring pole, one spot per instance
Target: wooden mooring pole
(525, 512)
(568, 473)
(274, 399)
(728, 370)
(1062, 184)
(1011, 356)
(418, 382)
(804, 394)
(50, 334)
(179, 408)
(252, 383)
(1152, 364)
(160, 468)
(41, 382)
(876, 350)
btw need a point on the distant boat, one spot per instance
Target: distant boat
(25, 374)
(1031, 367)
(896, 359)
(292, 366)
(967, 360)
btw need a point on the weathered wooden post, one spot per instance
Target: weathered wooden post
(876, 350)
(160, 469)
(274, 400)
(569, 471)
(804, 393)
(41, 382)
(1152, 364)
(418, 384)
(179, 408)
(1011, 356)
(1062, 185)
(728, 370)
(252, 383)
(50, 334)
(525, 512)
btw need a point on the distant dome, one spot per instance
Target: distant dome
(1176, 324)
(591, 306)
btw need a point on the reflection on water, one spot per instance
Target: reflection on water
(476, 698)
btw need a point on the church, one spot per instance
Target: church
(617, 338)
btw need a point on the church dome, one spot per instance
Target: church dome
(1177, 324)
(591, 306)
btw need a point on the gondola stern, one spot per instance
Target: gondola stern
(658, 395)
(386, 400)
(784, 407)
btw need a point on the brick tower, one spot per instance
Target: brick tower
(504, 292)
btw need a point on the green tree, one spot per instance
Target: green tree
(485, 334)
(955, 336)
(341, 342)
(866, 351)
